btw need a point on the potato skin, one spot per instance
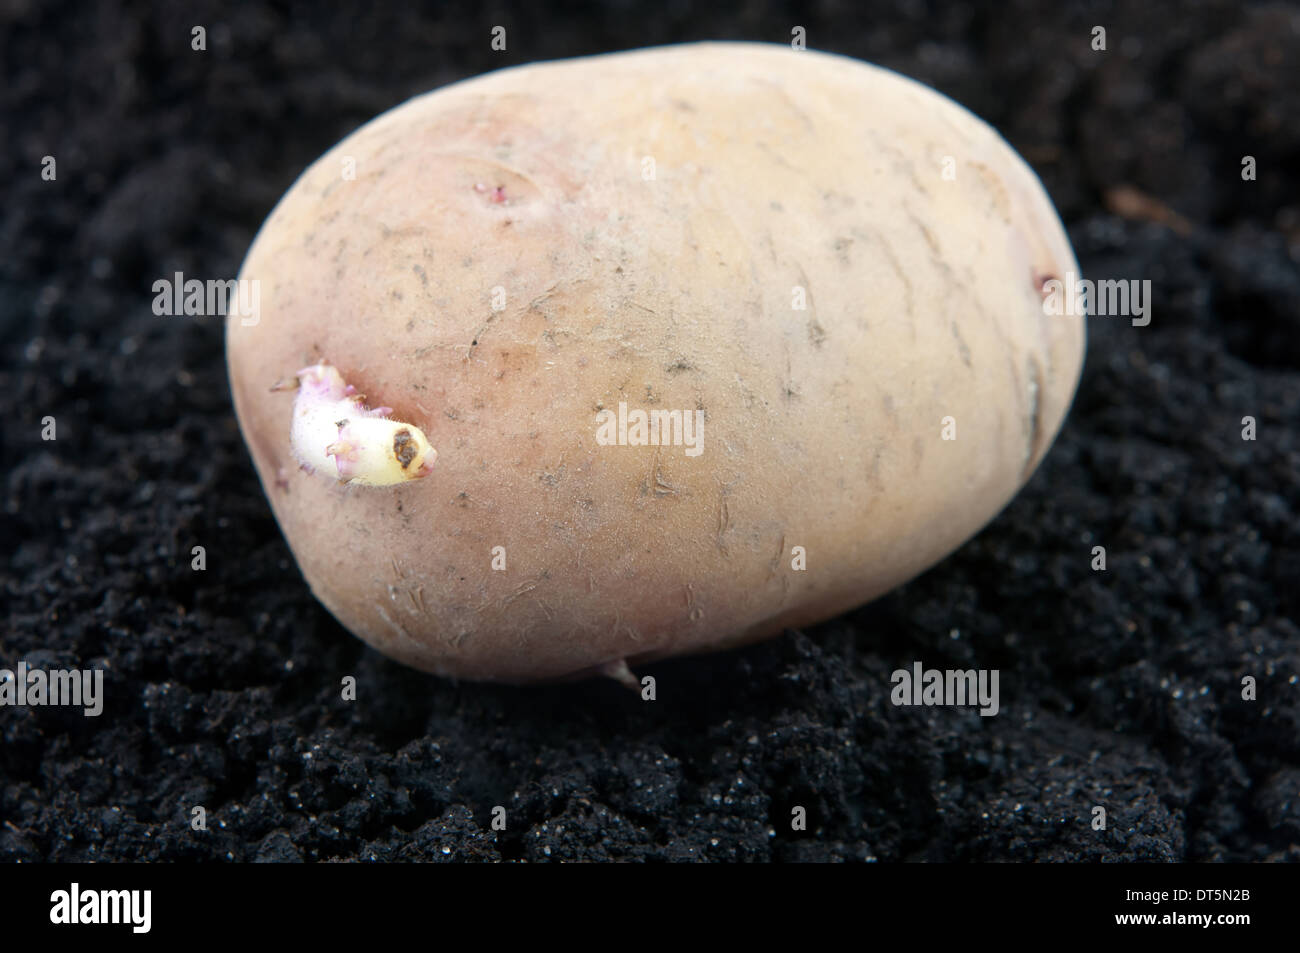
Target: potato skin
(771, 169)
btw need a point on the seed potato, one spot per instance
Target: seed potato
(832, 270)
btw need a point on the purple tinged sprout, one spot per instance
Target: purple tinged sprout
(334, 432)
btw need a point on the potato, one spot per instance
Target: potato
(833, 272)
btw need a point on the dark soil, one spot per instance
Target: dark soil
(1120, 689)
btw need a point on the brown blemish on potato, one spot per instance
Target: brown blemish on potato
(903, 163)
(790, 391)
(902, 277)
(998, 194)
(962, 347)
(404, 448)
(928, 235)
(816, 333)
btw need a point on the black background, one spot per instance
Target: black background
(1119, 689)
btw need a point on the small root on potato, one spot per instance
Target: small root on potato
(619, 672)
